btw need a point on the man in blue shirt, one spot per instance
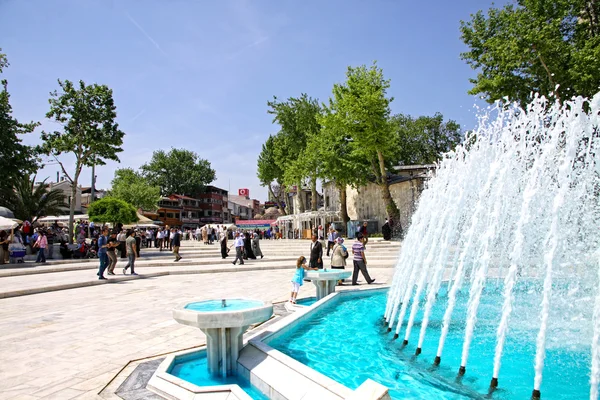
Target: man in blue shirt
(102, 249)
(239, 248)
(331, 238)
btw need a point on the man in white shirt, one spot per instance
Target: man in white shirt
(239, 248)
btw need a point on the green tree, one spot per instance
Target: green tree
(423, 140)
(16, 159)
(340, 163)
(30, 201)
(112, 210)
(179, 171)
(533, 46)
(87, 115)
(363, 113)
(298, 119)
(269, 173)
(131, 187)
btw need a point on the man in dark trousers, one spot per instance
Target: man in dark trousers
(176, 244)
(316, 253)
(360, 261)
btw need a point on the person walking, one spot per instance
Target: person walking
(386, 230)
(102, 250)
(316, 253)
(256, 245)
(4, 242)
(223, 241)
(41, 243)
(365, 233)
(113, 243)
(338, 256)
(121, 238)
(239, 249)
(204, 235)
(360, 261)
(331, 238)
(176, 244)
(248, 246)
(131, 252)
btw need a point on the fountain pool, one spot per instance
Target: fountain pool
(347, 341)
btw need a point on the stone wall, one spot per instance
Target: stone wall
(366, 203)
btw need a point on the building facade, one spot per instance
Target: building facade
(366, 203)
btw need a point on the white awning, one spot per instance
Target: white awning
(63, 218)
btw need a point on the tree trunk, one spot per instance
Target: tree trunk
(277, 200)
(390, 206)
(343, 204)
(301, 207)
(72, 205)
(313, 193)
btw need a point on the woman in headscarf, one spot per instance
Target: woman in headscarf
(223, 241)
(256, 245)
(248, 246)
(338, 256)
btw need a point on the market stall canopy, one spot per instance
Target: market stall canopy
(144, 220)
(63, 218)
(254, 223)
(7, 223)
(142, 225)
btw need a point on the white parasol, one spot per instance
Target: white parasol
(7, 223)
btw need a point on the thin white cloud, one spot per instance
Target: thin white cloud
(137, 115)
(247, 47)
(139, 27)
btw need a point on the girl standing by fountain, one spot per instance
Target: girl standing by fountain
(298, 278)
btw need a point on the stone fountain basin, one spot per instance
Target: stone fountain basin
(210, 314)
(321, 275)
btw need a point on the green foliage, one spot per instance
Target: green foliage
(16, 159)
(113, 210)
(29, 201)
(361, 109)
(179, 171)
(532, 46)
(131, 187)
(424, 139)
(298, 119)
(269, 173)
(90, 133)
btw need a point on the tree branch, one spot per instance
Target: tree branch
(63, 168)
(547, 72)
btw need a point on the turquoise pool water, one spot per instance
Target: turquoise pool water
(217, 306)
(308, 301)
(347, 341)
(195, 370)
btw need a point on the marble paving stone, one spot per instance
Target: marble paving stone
(86, 335)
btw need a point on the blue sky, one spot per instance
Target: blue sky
(197, 74)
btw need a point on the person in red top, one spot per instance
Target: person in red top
(41, 244)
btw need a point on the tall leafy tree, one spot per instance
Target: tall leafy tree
(113, 210)
(30, 201)
(89, 132)
(423, 140)
(179, 171)
(298, 119)
(16, 159)
(340, 163)
(130, 186)
(533, 46)
(363, 109)
(269, 173)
